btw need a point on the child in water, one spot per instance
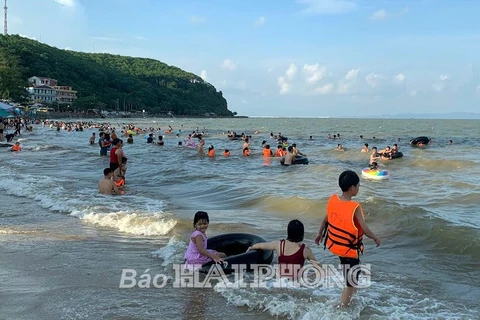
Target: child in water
(197, 252)
(292, 252)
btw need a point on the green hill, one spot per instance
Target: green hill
(106, 81)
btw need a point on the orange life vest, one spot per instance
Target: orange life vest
(284, 153)
(121, 182)
(278, 153)
(343, 234)
(211, 153)
(226, 154)
(16, 147)
(267, 152)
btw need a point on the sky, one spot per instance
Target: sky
(297, 58)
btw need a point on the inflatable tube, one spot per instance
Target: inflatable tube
(297, 160)
(131, 132)
(6, 145)
(375, 174)
(235, 137)
(415, 141)
(235, 245)
(397, 155)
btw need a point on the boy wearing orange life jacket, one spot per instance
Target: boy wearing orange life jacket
(279, 152)
(16, 147)
(211, 151)
(344, 227)
(267, 152)
(226, 153)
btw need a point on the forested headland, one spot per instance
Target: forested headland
(107, 81)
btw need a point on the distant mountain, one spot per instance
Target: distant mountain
(452, 115)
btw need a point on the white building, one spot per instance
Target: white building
(43, 93)
(42, 81)
(65, 94)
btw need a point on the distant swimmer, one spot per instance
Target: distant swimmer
(374, 156)
(226, 153)
(150, 138)
(211, 151)
(160, 141)
(365, 148)
(267, 152)
(339, 147)
(289, 157)
(296, 152)
(93, 138)
(16, 147)
(279, 152)
(201, 143)
(246, 152)
(107, 185)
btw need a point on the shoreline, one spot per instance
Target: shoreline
(74, 115)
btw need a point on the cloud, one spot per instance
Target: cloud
(379, 15)
(284, 86)
(327, 6)
(291, 71)
(289, 75)
(203, 75)
(399, 78)
(413, 93)
(228, 65)
(197, 20)
(315, 71)
(326, 89)
(140, 38)
(68, 48)
(66, 3)
(382, 14)
(438, 87)
(444, 77)
(343, 87)
(259, 22)
(109, 39)
(373, 79)
(352, 75)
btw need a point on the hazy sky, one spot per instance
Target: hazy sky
(286, 57)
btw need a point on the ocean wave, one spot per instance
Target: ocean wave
(381, 300)
(172, 253)
(145, 224)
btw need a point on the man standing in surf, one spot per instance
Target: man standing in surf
(343, 228)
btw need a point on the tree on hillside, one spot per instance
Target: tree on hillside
(102, 79)
(12, 85)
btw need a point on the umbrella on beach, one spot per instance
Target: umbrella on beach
(4, 106)
(4, 113)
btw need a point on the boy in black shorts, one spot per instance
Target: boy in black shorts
(343, 228)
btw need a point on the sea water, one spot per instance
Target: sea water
(63, 247)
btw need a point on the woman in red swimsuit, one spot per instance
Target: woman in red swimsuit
(291, 252)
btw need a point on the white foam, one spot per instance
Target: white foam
(133, 223)
(382, 300)
(172, 253)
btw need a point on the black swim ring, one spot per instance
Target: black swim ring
(415, 141)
